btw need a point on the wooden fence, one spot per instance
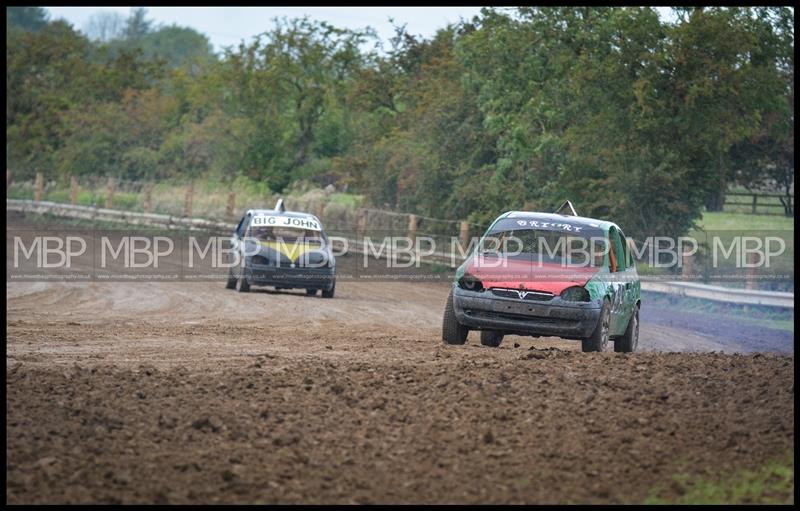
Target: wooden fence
(771, 203)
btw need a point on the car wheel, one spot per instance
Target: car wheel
(329, 293)
(599, 338)
(453, 332)
(630, 340)
(231, 283)
(311, 292)
(242, 285)
(491, 338)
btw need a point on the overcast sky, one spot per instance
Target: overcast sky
(226, 26)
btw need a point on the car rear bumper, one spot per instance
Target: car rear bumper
(287, 277)
(554, 317)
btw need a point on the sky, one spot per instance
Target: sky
(227, 26)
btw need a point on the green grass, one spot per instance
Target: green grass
(16, 191)
(768, 317)
(121, 200)
(726, 221)
(772, 483)
(725, 226)
(347, 199)
(778, 324)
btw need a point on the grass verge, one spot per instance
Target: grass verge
(773, 483)
(759, 315)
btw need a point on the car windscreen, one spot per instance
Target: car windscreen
(267, 228)
(562, 243)
(285, 234)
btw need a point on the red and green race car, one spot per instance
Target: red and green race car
(540, 274)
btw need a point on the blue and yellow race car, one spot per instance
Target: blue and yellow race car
(282, 249)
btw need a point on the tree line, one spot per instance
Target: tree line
(632, 117)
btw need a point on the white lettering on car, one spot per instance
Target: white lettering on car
(285, 221)
(538, 224)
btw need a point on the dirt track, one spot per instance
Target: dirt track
(186, 392)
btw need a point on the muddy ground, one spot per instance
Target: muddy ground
(189, 393)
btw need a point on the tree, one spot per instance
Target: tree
(105, 26)
(136, 25)
(726, 79)
(630, 117)
(286, 81)
(32, 19)
(765, 159)
(177, 46)
(47, 72)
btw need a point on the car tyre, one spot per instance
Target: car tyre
(599, 338)
(329, 292)
(231, 283)
(242, 285)
(453, 332)
(630, 340)
(311, 292)
(491, 338)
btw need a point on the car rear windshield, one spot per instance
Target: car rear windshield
(545, 241)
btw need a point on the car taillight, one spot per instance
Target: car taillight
(575, 294)
(470, 283)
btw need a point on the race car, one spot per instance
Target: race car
(282, 249)
(540, 274)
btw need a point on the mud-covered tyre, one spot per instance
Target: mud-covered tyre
(241, 283)
(599, 338)
(491, 338)
(328, 293)
(311, 292)
(231, 283)
(630, 340)
(453, 332)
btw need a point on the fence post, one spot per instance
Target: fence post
(687, 265)
(750, 279)
(73, 190)
(148, 194)
(463, 234)
(8, 180)
(110, 196)
(231, 204)
(39, 187)
(187, 207)
(412, 230)
(412, 226)
(320, 209)
(754, 203)
(361, 227)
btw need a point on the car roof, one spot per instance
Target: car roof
(293, 214)
(554, 217)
